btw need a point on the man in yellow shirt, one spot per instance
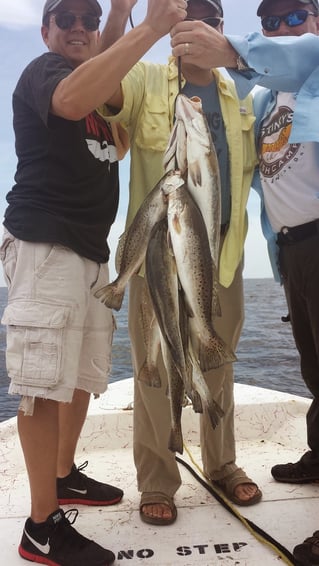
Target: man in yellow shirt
(146, 102)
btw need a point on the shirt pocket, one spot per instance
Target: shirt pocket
(154, 125)
(35, 332)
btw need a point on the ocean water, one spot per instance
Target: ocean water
(266, 356)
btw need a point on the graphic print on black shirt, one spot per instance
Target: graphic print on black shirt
(99, 138)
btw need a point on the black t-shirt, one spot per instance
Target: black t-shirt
(67, 187)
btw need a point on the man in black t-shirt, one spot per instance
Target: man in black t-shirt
(55, 256)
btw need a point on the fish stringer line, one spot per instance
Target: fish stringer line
(254, 529)
(131, 20)
(179, 73)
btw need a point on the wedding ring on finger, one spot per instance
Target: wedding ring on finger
(186, 48)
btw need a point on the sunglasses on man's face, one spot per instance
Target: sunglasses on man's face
(293, 19)
(66, 20)
(213, 22)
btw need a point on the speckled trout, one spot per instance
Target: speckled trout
(192, 151)
(171, 313)
(149, 372)
(203, 179)
(194, 265)
(162, 281)
(153, 209)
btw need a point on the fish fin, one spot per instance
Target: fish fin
(195, 174)
(196, 401)
(215, 412)
(170, 245)
(110, 297)
(149, 376)
(175, 443)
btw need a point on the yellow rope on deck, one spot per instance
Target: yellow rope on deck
(228, 504)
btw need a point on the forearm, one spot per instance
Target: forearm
(93, 83)
(116, 24)
(280, 63)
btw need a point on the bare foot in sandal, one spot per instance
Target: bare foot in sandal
(239, 488)
(157, 508)
(159, 511)
(246, 491)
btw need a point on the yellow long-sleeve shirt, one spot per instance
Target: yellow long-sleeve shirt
(148, 112)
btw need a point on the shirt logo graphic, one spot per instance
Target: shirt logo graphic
(275, 150)
(102, 151)
(99, 138)
(81, 491)
(44, 548)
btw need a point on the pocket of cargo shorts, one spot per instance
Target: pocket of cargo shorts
(35, 342)
(8, 256)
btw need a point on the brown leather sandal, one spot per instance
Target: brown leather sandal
(154, 498)
(228, 485)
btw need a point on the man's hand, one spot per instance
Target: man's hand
(116, 22)
(201, 45)
(123, 6)
(162, 15)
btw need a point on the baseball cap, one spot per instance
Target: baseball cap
(263, 4)
(215, 3)
(50, 5)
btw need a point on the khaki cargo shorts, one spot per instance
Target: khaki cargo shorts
(59, 336)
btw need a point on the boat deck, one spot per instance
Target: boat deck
(270, 428)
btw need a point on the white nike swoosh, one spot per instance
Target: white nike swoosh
(81, 491)
(45, 548)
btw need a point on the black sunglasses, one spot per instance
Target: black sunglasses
(66, 20)
(293, 19)
(213, 22)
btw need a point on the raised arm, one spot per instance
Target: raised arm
(94, 82)
(279, 63)
(116, 22)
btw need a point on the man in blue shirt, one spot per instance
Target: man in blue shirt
(287, 143)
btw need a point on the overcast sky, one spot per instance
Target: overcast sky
(20, 42)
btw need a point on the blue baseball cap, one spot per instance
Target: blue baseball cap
(263, 4)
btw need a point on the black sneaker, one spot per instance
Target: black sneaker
(78, 488)
(298, 472)
(307, 553)
(57, 543)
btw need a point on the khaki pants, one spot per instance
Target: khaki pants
(155, 463)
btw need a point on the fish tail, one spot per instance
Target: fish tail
(149, 375)
(215, 413)
(110, 296)
(196, 401)
(175, 443)
(215, 355)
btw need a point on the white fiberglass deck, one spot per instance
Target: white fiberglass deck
(270, 429)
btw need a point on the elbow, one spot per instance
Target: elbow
(68, 105)
(69, 110)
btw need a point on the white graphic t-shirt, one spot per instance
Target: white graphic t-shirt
(289, 172)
